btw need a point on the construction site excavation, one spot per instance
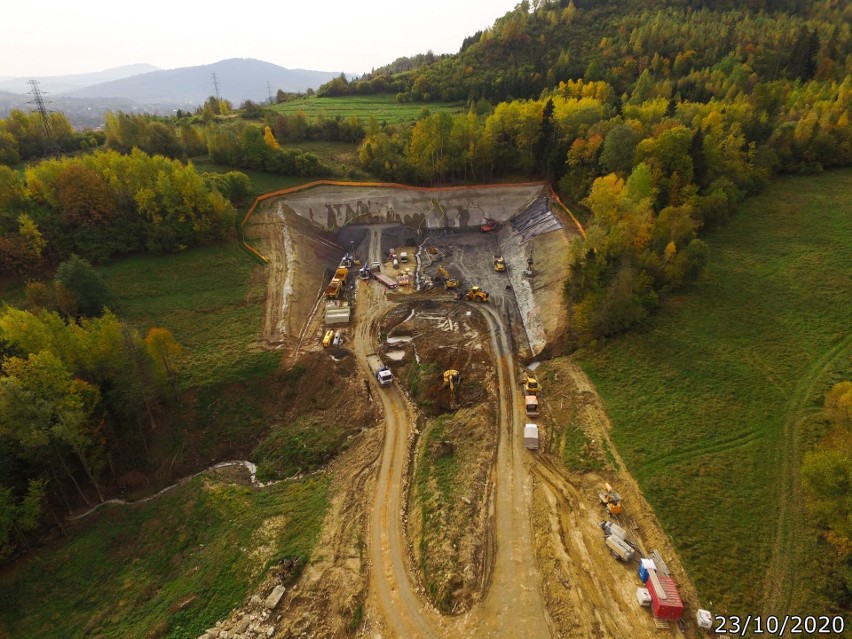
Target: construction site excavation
(434, 311)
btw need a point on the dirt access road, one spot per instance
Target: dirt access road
(550, 574)
(513, 606)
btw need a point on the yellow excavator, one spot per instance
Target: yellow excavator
(610, 499)
(499, 264)
(444, 274)
(476, 294)
(451, 381)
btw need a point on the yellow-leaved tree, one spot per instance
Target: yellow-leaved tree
(269, 138)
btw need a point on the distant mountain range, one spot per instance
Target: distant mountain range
(238, 79)
(56, 84)
(144, 88)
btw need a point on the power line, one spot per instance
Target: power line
(216, 86)
(50, 145)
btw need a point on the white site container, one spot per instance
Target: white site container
(643, 596)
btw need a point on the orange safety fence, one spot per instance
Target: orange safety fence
(568, 211)
(262, 257)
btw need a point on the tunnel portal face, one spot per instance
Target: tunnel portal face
(335, 207)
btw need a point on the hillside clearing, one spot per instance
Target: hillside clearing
(383, 108)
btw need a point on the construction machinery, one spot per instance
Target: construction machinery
(451, 381)
(611, 499)
(337, 282)
(381, 372)
(531, 405)
(488, 225)
(444, 274)
(531, 386)
(475, 294)
(499, 264)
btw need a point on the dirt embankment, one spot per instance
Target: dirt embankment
(448, 524)
(302, 258)
(328, 598)
(588, 592)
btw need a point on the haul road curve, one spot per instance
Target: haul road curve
(513, 606)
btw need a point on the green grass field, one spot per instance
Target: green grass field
(712, 403)
(168, 568)
(383, 108)
(261, 181)
(207, 297)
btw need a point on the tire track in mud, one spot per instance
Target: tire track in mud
(513, 605)
(391, 591)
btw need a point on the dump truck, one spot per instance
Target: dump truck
(619, 548)
(381, 372)
(336, 285)
(531, 405)
(531, 437)
(499, 263)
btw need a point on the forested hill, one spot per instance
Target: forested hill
(530, 49)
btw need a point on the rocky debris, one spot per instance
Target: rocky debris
(273, 599)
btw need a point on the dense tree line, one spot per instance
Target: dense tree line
(245, 146)
(526, 52)
(652, 165)
(106, 204)
(827, 477)
(22, 137)
(76, 395)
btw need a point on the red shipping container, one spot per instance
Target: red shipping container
(665, 600)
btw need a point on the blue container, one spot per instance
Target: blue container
(643, 573)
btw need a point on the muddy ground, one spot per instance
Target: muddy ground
(587, 593)
(447, 504)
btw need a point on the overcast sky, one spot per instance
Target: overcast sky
(59, 37)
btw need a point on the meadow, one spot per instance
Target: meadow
(169, 568)
(381, 108)
(713, 402)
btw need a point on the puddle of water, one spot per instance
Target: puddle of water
(533, 365)
(398, 339)
(395, 355)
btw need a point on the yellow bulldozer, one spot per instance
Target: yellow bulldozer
(499, 264)
(531, 386)
(476, 294)
(610, 499)
(444, 274)
(451, 380)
